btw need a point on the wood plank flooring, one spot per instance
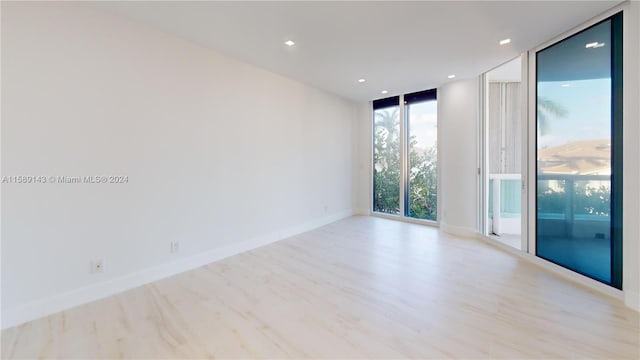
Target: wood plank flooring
(362, 287)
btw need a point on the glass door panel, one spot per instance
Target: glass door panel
(503, 153)
(422, 189)
(578, 122)
(386, 156)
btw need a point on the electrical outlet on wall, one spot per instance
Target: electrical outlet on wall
(175, 247)
(96, 266)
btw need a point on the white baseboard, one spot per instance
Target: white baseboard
(50, 305)
(459, 230)
(632, 300)
(361, 212)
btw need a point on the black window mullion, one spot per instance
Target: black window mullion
(616, 150)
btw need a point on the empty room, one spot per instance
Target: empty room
(318, 179)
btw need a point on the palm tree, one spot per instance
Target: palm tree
(387, 134)
(387, 161)
(387, 120)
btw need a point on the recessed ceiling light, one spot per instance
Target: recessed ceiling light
(594, 45)
(289, 43)
(565, 85)
(505, 41)
(451, 76)
(361, 80)
(384, 91)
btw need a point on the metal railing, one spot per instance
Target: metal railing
(591, 221)
(566, 197)
(496, 201)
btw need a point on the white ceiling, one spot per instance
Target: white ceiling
(396, 46)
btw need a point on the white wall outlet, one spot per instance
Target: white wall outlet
(175, 247)
(96, 266)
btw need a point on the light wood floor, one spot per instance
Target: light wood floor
(512, 240)
(360, 288)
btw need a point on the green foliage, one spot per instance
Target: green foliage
(587, 199)
(386, 172)
(550, 200)
(386, 159)
(423, 185)
(593, 200)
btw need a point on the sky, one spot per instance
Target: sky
(423, 123)
(587, 102)
(588, 105)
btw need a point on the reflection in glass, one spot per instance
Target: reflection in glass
(574, 157)
(423, 156)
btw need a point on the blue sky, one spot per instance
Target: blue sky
(588, 105)
(423, 123)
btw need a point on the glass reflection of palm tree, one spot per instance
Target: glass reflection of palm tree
(547, 108)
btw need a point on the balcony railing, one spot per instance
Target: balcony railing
(504, 203)
(574, 206)
(567, 205)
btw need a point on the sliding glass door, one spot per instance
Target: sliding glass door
(579, 152)
(501, 151)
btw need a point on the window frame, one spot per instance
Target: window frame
(617, 12)
(403, 101)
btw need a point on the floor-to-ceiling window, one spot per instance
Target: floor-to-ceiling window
(421, 113)
(578, 152)
(405, 156)
(386, 155)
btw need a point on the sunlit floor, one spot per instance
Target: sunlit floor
(513, 240)
(363, 287)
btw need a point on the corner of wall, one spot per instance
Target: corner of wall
(631, 208)
(181, 192)
(361, 212)
(632, 300)
(462, 231)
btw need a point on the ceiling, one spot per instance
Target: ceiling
(396, 46)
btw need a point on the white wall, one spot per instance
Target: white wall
(221, 156)
(362, 151)
(631, 158)
(457, 137)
